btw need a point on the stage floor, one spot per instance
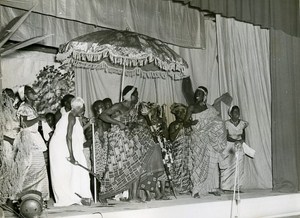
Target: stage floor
(254, 203)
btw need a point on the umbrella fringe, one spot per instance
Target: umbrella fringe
(133, 62)
(129, 72)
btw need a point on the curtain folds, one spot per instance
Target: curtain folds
(243, 51)
(281, 15)
(168, 21)
(285, 77)
(242, 70)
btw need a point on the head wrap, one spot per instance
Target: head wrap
(127, 96)
(230, 109)
(176, 107)
(203, 90)
(21, 92)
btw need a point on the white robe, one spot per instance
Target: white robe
(67, 179)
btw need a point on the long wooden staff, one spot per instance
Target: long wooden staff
(94, 162)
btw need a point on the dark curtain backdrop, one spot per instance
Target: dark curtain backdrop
(285, 85)
(279, 14)
(283, 17)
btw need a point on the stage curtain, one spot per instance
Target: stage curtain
(203, 68)
(168, 21)
(279, 14)
(243, 51)
(285, 77)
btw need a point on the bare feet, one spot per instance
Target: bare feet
(196, 195)
(215, 193)
(164, 197)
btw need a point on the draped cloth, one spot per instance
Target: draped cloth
(231, 153)
(244, 70)
(285, 77)
(156, 18)
(180, 171)
(10, 169)
(276, 14)
(207, 142)
(67, 179)
(32, 146)
(132, 156)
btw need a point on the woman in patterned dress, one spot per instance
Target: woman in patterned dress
(235, 138)
(10, 170)
(31, 145)
(180, 149)
(134, 159)
(207, 142)
(100, 133)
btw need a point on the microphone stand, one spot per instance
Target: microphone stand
(236, 196)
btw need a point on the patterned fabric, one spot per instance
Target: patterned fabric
(181, 177)
(10, 173)
(100, 153)
(207, 142)
(122, 48)
(231, 153)
(132, 154)
(31, 146)
(35, 139)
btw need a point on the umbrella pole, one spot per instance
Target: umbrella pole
(122, 83)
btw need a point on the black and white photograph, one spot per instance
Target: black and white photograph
(149, 108)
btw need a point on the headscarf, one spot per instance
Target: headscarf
(127, 96)
(175, 107)
(204, 90)
(230, 109)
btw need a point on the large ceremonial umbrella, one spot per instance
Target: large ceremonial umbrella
(123, 51)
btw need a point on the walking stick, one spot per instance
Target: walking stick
(168, 173)
(94, 163)
(87, 169)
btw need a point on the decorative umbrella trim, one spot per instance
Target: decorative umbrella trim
(121, 60)
(129, 72)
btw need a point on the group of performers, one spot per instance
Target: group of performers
(134, 149)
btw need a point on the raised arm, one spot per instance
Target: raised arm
(106, 115)
(188, 117)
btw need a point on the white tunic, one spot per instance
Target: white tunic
(67, 179)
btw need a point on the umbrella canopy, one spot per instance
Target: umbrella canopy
(113, 50)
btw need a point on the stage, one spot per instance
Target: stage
(254, 203)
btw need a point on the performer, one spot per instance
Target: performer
(159, 130)
(179, 138)
(235, 138)
(100, 148)
(10, 174)
(65, 106)
(134, 159)
(107, 104)
(31, 144)
(70, 182)
(207, 142)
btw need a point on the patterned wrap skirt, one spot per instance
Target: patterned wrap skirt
(132, 156)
